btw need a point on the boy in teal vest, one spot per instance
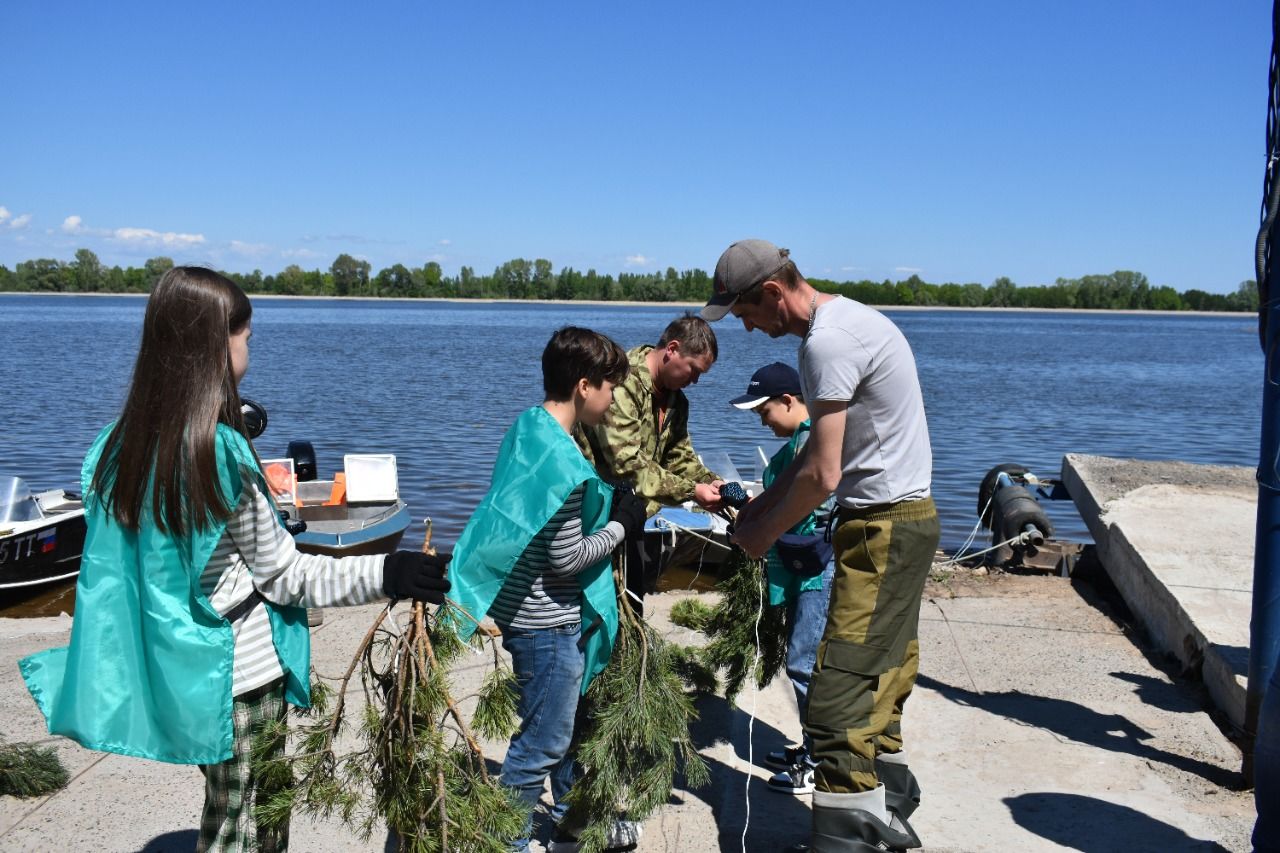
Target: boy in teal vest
(774, 394)
(535, 558)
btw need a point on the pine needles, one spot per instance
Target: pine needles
(416, 766)
(636, 733)
(731, 627)
(27, 770)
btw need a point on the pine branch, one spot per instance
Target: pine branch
(691, 613)
(27, 770)
(636, 735)
(744, 625)
(417, 768)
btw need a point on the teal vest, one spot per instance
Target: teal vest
(148, 672)
(538, 467)
(784, 585)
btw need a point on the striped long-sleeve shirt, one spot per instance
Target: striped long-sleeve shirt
(255, 551)
(542, 590)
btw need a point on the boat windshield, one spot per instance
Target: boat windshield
(16, 501)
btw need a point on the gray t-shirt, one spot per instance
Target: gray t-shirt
(857, 355)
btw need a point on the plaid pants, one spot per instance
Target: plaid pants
(231, 790)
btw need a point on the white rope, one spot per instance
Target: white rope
(1020, 539)
(668, 524)
(751, 720)
(974, 533)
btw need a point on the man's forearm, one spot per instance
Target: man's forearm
(804, 493)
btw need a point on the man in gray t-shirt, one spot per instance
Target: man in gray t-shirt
(869, 444)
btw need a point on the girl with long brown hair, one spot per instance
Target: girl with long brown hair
(190, 632)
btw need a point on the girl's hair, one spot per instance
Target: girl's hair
(574, 353)
(161, 453)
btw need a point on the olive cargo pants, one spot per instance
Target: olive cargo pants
(869, 655)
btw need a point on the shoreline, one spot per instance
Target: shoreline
(596, 303)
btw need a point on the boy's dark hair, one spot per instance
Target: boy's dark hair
(694, 334)
(575, 353)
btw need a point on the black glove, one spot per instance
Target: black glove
(412, 574)
(629, 511)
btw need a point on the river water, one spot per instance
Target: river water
(438, 383)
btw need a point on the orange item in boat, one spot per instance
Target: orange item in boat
(280, 480)
(338, 493)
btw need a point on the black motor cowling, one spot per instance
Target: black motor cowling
(304, 460)
(1008, 508)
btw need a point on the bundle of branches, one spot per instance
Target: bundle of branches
(635, 737)
(747, 635)
(27, 770)
(416, 766)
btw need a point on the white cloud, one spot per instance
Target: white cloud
(4, 213)
(20, 221)
(71, 224)
(150, 237)
(638, 260)
(908, 270)
(446, 242)
(850, 269)
(252, 250)
(305, 254)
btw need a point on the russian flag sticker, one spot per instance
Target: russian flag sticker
(48, 540)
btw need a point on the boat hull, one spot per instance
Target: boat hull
(377, 531)
(42, 554)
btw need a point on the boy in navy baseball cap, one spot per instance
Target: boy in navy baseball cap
(774, 394)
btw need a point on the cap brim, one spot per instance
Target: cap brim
(747, 401)
(715, 310)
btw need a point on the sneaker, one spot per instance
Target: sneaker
(623, 836)
(796, 780)
(785, 759)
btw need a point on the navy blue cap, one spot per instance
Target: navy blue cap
(772, 380)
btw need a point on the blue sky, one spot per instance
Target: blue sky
(962, 141)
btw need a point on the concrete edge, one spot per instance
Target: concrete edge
(1156, 607)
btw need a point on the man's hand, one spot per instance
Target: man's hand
(753, 510)
(707, 495)
(753, 539)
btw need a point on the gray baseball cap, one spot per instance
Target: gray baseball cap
(742, 266)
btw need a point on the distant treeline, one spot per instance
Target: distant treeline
(522, 279)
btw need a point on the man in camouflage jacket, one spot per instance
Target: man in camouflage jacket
(644, 440)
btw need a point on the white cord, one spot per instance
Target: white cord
(751, 721)
(974, 533)
(668, 524)
(1020, 539)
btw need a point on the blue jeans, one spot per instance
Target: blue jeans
(808, 620)
(548, 664)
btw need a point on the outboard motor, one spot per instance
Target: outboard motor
(304, 460)
(1008, 509)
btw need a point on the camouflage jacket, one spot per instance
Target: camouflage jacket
(628, 447)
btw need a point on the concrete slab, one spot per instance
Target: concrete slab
(1177, 540)
(1037, 725)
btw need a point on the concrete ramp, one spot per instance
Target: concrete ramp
(1177, 540)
